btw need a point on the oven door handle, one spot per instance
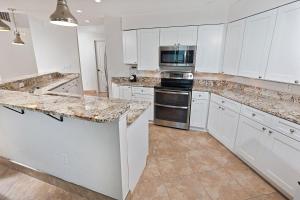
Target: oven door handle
(168, 106)
(169, 92)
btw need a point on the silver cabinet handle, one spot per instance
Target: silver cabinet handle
(168, 92)
(296, 81)
(292, 131)
(260, 77)
(253, 114)
(270, 132)
(223, 101)
(264, 129)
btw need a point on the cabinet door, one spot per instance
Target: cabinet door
(115, 91)
(248, 143)
(187, 35)
(168, 36)
(199, 113)
(213, 124)
(229, 123)
(130, 47)
(125, 92)
(233, 47)
(210, 48)
(282, 163)
(148, 48)
(284, 59)
(256, 46)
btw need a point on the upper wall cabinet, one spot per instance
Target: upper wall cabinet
(233, 47)
(178, 36)
(148, 49)
(256, 46)
(130, 47)
(284, 62)
(210, 48)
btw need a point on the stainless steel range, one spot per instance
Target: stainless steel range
(172, 100)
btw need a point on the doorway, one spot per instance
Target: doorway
(101, 69)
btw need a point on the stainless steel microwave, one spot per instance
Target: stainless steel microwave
(177, 57)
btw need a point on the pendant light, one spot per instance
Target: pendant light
(62, 15)
(18, 40)
(3, 26)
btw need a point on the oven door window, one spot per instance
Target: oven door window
(168, 57)
(185, 57)
(171, 114)
(179, 99)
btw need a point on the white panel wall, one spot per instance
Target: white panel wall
(244, 8)
(208, 14)
(114, 50)
(16, 60)
(56, 48)
(86, 38)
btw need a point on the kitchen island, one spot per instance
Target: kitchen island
(87, 141)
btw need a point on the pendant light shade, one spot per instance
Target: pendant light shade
(62, 15)
(18, 40)
(3, 26)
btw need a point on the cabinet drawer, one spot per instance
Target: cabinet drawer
(235, 106)
(200, 95)
(143, 90)
(288, 128)
(257, 115)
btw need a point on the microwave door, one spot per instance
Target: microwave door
(169, 57)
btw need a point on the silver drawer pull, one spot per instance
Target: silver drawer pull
(270, 132)
(169, 106)
(253, 114)
(292, 131)
(223, 101)
(264, 129)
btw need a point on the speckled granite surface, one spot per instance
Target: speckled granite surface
(23, 94)
(142, 81)
(89, 108)
(279, 104)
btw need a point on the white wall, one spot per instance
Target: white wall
(86, 38)
(244, 8)
(56, 48)
(16, 60)
(209, 14)
(114, 49)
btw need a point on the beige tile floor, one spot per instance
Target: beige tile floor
(183, 165)
(189, 165)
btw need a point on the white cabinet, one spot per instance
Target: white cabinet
(144, 94)
(148, 49)
(282, 161)
(130, 47)
(200, 102)
(178, 36)
(210, 48)
(249, 142)
(233, 47)
(125, 92)
(115, 91)
(284, 59)
(256, 46)
(223, 121)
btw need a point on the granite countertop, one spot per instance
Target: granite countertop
(89, 108)
(136, 109)
(282, 105)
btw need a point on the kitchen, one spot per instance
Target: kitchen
(204, 102)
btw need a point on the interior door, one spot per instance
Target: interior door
(101, 68)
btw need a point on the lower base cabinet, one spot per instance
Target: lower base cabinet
(274, 154)
(199, 110)
(222, 124)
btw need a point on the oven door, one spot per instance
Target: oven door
(172, 108)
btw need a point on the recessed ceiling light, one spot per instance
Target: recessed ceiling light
(98, 1)
(79, 11)
(87, 21)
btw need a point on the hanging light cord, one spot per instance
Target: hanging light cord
(14, 20)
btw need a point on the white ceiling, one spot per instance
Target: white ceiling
(95, 11)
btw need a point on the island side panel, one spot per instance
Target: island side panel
(82, 152)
